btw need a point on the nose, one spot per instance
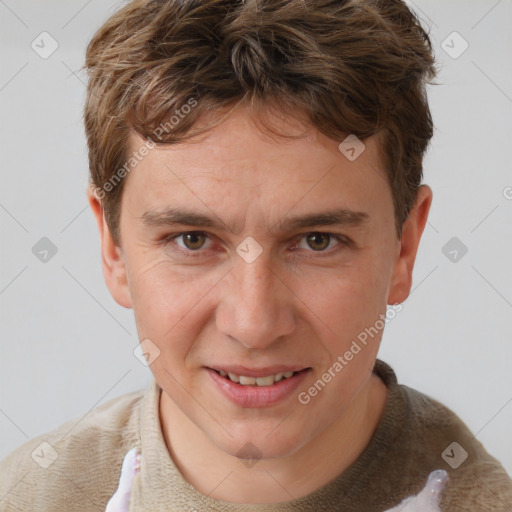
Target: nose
(256, 307)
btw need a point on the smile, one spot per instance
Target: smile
(268, 380)
(264, 388)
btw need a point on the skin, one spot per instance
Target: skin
(302, 301)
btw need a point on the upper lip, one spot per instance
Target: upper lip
(258, 372)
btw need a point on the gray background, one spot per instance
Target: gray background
(67, 346)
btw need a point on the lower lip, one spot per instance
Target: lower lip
(258, 396)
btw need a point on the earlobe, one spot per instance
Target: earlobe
(113, 264)
(401, 280)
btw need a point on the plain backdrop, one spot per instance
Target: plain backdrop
(67, 346)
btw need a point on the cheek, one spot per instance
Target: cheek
(350, 299)
(350, 308)
(164, 301)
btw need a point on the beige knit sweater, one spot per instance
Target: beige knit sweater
(76, 467)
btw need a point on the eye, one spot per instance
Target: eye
(319, 242)
(192, 241)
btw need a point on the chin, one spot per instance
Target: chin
(261, 445)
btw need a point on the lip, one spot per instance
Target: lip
(257, 372)
(258, 396)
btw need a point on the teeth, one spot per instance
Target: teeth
(247, 381)
(265, 381)
(256, 381)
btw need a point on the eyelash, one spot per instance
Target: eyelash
(343, 241)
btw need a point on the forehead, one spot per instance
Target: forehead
(238, 143)
(236, 167)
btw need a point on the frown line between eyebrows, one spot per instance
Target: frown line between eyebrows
(340, 217)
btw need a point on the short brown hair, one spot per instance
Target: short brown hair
(347, 66)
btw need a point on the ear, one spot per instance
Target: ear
(401, 279)
(112, 259)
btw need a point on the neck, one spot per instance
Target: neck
(221, 476)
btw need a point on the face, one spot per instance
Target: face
(299, 256)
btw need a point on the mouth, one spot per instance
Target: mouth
(258, 387)
(262, 381)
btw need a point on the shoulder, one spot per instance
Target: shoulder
(441, 440)
(74, 466)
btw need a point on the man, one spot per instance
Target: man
(256, 179)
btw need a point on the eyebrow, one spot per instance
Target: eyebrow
(334, 217)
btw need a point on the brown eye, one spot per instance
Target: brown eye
(192, 244)
(193, 240)
(322, 242)
(318, 241)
